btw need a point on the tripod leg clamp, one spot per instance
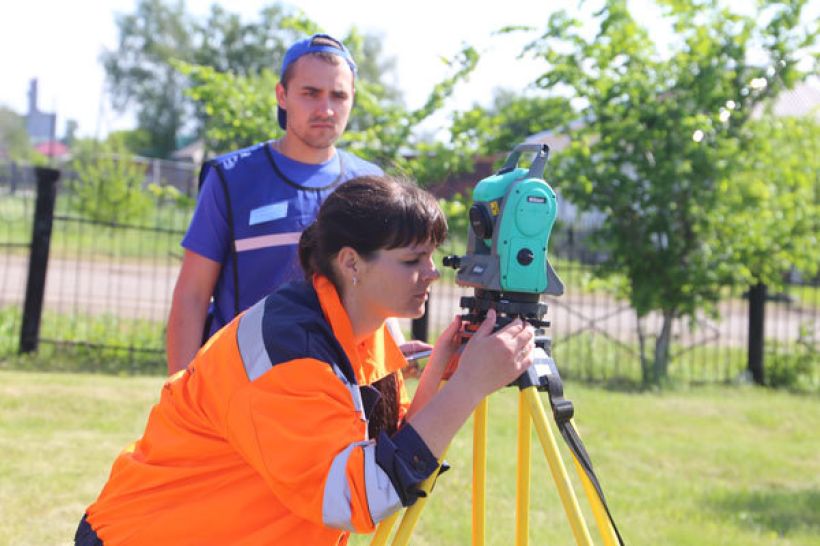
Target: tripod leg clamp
(543, 374)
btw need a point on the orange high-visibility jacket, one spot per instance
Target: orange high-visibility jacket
(263, 439)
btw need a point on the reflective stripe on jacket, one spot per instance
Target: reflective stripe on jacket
(263, 439)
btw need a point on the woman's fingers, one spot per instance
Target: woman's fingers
(409, 347)
(486, 327)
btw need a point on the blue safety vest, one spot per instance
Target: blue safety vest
(267, 201)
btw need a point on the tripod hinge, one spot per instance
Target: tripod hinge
(562, 410)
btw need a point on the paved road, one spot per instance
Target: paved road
(124, 289)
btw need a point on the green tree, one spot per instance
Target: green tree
(390, 137)
(510, 119)
(140, 75)
(666, 144)
(226, 43)
(238, 110)
(770, 204)
(136, 141)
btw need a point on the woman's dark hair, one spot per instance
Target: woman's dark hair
(370, 213)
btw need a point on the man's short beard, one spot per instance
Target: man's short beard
(315, 143)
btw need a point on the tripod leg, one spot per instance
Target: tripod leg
(412, 514)
(557, 468)
(522, 497)
(479, 472)
(383, 531)
(598, 511)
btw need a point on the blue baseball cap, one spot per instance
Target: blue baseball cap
(315, 44)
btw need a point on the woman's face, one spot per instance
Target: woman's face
(396, 282)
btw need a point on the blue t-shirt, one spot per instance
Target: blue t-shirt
(272, 200)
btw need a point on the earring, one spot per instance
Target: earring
(355, 281)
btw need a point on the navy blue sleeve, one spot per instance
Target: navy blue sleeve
(407, 461)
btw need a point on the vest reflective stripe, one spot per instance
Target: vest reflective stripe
(336, 498)
(250, 341)
(268, 241)
(382, 498)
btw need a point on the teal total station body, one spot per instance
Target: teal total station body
(511, 220)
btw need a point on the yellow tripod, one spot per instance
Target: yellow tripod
(530, 411)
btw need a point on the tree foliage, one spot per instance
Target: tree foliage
(769, 207)
(668, 150)
(140, 75)
(108, 186)
(143, 71)
(510, 119)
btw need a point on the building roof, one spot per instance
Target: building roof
(52, 148)
(803, 100)
(193, 152)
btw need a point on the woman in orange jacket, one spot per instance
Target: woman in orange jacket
(292, 424)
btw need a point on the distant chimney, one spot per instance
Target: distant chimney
(39, 125)
(32, 96)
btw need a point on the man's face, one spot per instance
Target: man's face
(318, 100)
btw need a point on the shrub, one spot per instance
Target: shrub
(108, 185)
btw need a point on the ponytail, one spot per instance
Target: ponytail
(308, 242)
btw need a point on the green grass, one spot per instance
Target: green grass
(98, 343)
(716, 466)
(59, 434)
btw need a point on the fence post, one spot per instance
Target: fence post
(757, 311)
(38, 258)
(15, 174)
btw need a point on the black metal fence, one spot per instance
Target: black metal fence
(97, 285)
(107, 285)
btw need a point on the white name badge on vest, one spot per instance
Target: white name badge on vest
(268, 213)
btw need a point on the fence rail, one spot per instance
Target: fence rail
(108, 287)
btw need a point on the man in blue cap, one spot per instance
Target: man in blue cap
(255, 202)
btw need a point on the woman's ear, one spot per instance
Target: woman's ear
(349, 264)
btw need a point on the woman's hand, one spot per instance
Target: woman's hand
(446, 349)
(489, 361)
(492, 360)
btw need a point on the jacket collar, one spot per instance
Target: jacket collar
(371, 359)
